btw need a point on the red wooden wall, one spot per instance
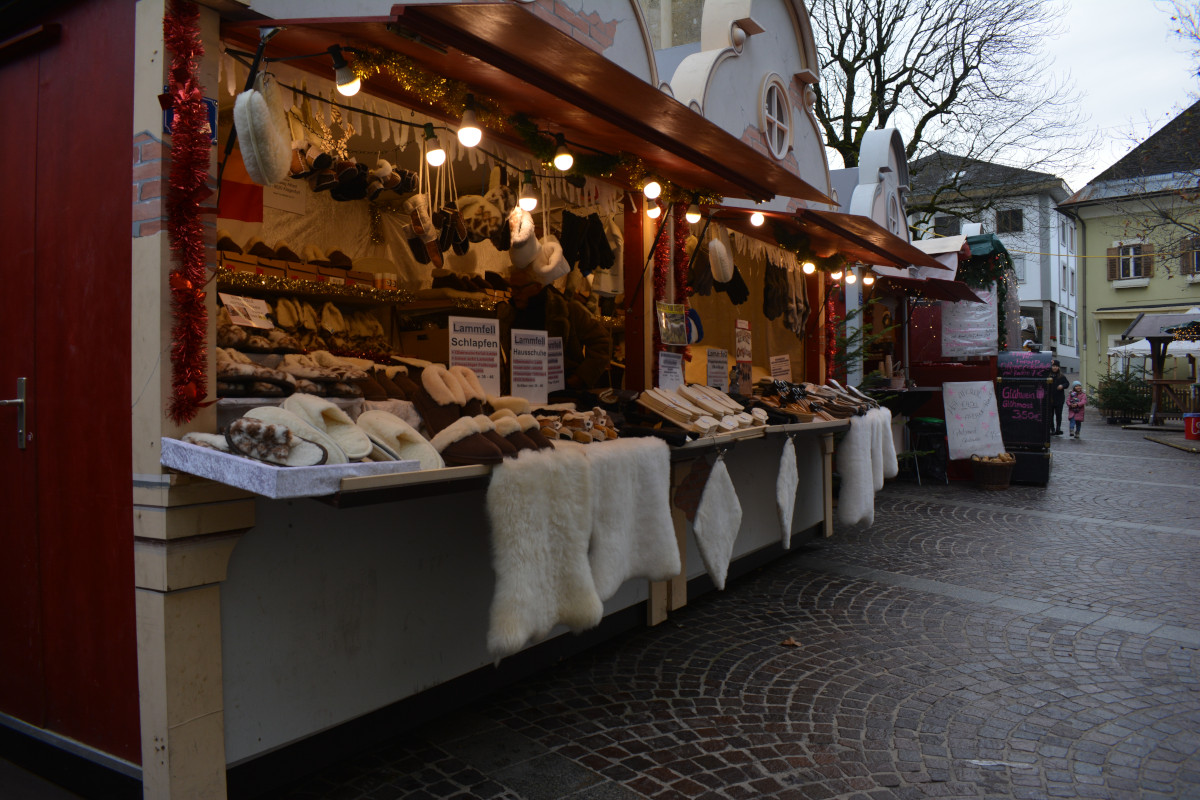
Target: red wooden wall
(67, 634)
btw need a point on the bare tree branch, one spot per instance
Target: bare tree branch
(969, 77)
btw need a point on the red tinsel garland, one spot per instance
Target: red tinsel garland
(831, 323)
(188, 187)
(682, 289)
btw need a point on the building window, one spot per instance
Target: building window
(1071, 331)
(776, 117)
(1062, 327)
(1018, 262)
(1009, 220)
(947, 226)
(1189, 256)
(1127, 261)
(1062, 233)
(1072, 283)
(1062, 287)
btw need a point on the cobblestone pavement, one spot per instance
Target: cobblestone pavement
(1039, 642)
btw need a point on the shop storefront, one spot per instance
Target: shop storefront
(305, 254)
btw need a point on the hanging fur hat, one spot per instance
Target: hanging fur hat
(262, 129)
(550, 264)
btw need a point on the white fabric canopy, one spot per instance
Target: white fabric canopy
(1142, 348)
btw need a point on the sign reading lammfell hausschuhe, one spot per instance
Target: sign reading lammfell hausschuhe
(972, 420)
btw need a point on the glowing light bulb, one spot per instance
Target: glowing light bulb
(808, 267)
(469, 134)
(653, 210)
(837, 276)
(652, 190)
(528, 198)
(692, 214)
(350, 87)
(345, 79)
(756, 219)
(563, 160)
(851, 277)
(435, 156)
(868, 279)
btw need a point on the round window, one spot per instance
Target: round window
(776, 117)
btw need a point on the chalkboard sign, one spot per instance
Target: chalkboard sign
(1024, 365)
(972, 420)
(1024, 412)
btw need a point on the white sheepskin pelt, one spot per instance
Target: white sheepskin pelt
(876, 421)
(891, 465)
(718, 518)
(785, 489)
(856, 498)
(539, 506)
(632, 532)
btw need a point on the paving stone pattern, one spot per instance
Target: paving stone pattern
(1038, 642)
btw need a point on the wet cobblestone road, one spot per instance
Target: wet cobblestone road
(1030, 643)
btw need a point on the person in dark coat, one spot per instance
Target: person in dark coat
(1059, 385)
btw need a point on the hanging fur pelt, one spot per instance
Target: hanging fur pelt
(856, 498)
(539, 506)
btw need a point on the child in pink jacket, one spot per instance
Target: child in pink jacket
(1076, 401)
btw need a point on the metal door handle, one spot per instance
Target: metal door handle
(20, 404)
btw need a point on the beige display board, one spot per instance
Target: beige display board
(972, 420)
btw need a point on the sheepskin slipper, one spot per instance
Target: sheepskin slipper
(539, 510)
(461, 444)
(525, 247)
(518, 405)
(488, 429)
(275, 415)
(399, 438)
(439, 398)
(274, 444)
(508, 427)
(718, 518)
(262, 129)
(472, 389)
(213, 441)
(533, 429)
(336, 423)
(785, 489)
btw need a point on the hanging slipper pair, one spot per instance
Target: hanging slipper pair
(272, 443)
(420, 231)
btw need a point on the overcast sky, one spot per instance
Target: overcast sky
(1133, 72)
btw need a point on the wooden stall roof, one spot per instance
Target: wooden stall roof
(503, 52)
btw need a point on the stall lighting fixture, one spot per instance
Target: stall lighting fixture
(652, 190)
(563, 160)
(347, 82)
(434, 154)
(469, 134)
(837, 276)
(808, 267)
(851, 277)
(692, 215)
(653, 210)
(528, 198)
(757, 219)
(868, 279)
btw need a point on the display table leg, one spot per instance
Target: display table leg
(670, 595)
(827, 484)
(181, 550)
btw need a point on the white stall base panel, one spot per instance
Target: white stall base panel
(269, 480)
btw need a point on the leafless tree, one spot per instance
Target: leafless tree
(971, 78)
(1186, 16)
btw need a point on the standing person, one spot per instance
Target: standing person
(1059, 385)
(1076, 401)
